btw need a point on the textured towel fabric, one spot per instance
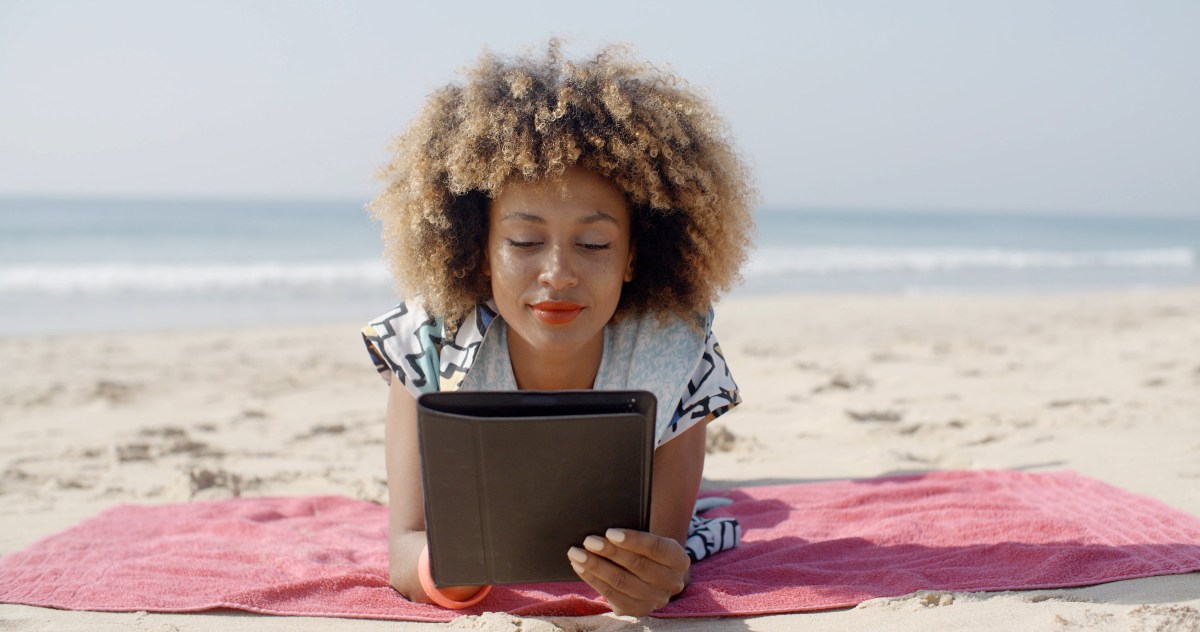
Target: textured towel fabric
(804, 547)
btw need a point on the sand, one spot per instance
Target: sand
(1107, 384)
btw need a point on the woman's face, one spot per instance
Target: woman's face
(558, 253)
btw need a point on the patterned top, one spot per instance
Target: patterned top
(677, 361)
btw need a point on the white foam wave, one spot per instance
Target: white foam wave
(775, 261)
(104, 278)
(112, 278)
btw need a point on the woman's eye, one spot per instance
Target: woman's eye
(522, 244)
(596, 246)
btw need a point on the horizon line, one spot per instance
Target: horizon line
(905, 208)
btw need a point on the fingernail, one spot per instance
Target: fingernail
(578, 568)
(616, 535)
(592, 543)
(576, 554)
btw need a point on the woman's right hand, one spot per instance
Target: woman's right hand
(637, 572)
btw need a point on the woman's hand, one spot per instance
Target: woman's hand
(637, 572)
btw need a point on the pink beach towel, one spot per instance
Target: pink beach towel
(804, 547)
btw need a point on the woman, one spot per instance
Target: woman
(563, 225)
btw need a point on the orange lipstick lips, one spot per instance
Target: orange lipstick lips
(556, 312)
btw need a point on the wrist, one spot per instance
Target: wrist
(446, 598)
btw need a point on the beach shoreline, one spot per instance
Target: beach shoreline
(834, 386)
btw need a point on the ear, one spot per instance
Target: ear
(629, 264)
(486, 266)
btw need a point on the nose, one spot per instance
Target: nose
(558, 269)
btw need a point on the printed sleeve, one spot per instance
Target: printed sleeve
(711, 392)
(406, 343)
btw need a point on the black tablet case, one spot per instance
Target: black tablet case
(514, 479)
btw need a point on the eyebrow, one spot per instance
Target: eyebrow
(598, 216)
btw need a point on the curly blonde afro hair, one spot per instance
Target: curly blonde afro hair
(531, 118)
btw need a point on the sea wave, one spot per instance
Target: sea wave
(107, 277)
(779, 261)
(99, 278)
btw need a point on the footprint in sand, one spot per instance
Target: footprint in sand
(984, 440)
(1087, 621)
(504, 622)
(163, 441)
(842, 382)
(175, 440)
(163, 431)
(1164, 617)
(113, 392)
(133, 452)
(721, 439)
(915, 601)
(218, 483)
(935, 599)
(884, 416)
(322, 429)
(1057, 596)
(911, 457)
(13, 478)
(1085, 402)
(766, 349)
(911, 429)
(36, 397)
(882, 357)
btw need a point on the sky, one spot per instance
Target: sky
(1032, 106)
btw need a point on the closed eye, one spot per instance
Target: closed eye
(523, 244)
(596, 246)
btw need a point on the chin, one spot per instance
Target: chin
(559, 344)
(558, 339)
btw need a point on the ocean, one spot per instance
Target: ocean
(85, 265)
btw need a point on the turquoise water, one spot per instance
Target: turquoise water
(105, 264)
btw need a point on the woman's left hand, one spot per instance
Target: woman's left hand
(637, 572)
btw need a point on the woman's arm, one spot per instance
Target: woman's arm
(406, 509)
(678, 467)
(637, 576)
(639, 572)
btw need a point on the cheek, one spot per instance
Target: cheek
(507, 272)
(614, 272)
(611, 276)
(621, 263)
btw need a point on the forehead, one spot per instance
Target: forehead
(578, 193)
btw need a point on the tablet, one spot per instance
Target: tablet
(514, 479)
